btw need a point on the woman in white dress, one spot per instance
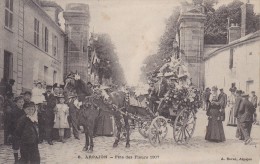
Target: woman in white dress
(232, 121)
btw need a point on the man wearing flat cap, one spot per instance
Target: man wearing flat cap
(246, 117)
(238, 101)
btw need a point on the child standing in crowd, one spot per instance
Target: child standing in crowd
(26, 135)
(16, 113)
(61, 117)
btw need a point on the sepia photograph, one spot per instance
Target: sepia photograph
(130, 82)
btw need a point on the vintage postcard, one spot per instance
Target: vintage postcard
(130, 81)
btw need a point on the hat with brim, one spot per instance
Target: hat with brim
(104, 87)
(48, 87)
(27, 105)
(214, 88)
(60, 96)
(233, 89)
(72, 96)
(160, 74)
(70, 76)
(27, 93)
(168, 74)
(55, 85)
(245, 95)
(38, 82)
(182, 76)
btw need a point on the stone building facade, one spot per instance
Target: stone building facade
(77, 19)
(236, 62)
(31, 45)
(191, 31)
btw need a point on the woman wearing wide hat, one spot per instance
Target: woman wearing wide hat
(215, 130)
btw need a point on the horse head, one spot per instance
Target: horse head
(73, 84)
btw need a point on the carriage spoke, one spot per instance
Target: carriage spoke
(188, 133)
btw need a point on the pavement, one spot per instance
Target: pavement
(197, 151)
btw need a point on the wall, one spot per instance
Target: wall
(36, 54)
(246, 67)
(11, 41)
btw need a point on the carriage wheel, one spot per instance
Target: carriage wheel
(143, 127)
(184, 126)
(158, 130)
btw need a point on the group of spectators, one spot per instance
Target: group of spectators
(32, 117)
(242, 113)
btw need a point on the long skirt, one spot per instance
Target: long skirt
(215, 130)
(232, 121)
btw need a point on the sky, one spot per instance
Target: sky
(135, 27)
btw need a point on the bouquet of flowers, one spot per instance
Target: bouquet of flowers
(184, 98)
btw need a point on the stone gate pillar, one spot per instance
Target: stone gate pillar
(77, 19)
(191, 28)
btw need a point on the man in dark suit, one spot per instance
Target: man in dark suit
(238, 101)
(223, 100)
(246, 117)
(49, 114)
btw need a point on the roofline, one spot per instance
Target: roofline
(235, 43)
(48, 17)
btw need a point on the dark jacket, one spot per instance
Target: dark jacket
(223, 100)
(237, 105)
(26, 131)
(49, 112)
(254, 101)
(246, 111)
(15, 115)
(8, 89)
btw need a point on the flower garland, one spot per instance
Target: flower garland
(184, 98)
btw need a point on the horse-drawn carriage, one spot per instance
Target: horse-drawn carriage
(177, 109)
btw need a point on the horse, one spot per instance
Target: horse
(88, 111)
(122, 111)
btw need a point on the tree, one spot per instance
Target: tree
(108, 65)
(216, 26)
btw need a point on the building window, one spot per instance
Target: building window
(45, 73)
(8, 65)
(54, 77)
(46, 39)
(36, 32)
(43, 37)
(9, 13)
(231, 59)
(54, 45)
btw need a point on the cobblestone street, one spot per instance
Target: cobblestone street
(71, 151)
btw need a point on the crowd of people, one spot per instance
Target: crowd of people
(32, 117)
(242, 113)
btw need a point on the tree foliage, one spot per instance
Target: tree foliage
(108, 65)
(216, 27)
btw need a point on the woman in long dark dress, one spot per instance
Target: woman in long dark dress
(215, 130)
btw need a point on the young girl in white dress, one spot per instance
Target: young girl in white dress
(61, 117)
